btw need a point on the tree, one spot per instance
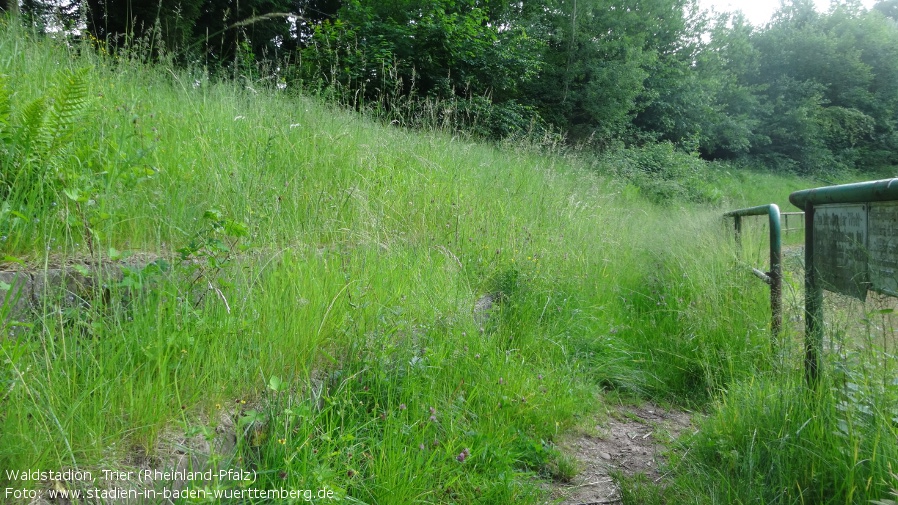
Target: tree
(312, 13)
(677, 98)
(830, 85)
(888, 8)
(593, 68)
(726, 68)
(609, 66)
(440, 49)
(443, 46)
(41, 14)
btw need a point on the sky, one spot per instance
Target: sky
(759, 12)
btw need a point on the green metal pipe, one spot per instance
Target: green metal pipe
(860, 192)
(760, 210)
(775, 275)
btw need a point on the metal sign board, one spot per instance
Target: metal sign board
(882, 242)
(840, 242)
(845, 211)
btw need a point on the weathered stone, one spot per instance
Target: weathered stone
(85, 285)
(483, 308)
(64, 288)
(15, 302)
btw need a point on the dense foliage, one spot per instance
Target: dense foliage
(808, 92)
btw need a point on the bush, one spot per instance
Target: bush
(663, 173)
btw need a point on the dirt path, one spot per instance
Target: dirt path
(631, 442)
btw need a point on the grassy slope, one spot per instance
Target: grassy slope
(366, 251)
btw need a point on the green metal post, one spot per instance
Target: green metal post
(737, 224)
(813, 305)
(776, 271)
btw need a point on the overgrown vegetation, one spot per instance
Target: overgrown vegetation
(312, 285)
(810, 92)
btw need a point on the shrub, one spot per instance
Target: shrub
(663, 173)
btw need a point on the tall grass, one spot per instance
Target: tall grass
(773, 440)
(770, 438)
(319, 292)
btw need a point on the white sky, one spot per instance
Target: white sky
(759, 12)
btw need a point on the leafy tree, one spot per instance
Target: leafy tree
(888, 8)
(430, 48)
(733, 106)
(443, 46)
(312, 13)
(676, 99)
(876, 41)
(830, 87)
(609, 67)
(593, 69)
(41, 14)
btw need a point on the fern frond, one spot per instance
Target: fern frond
(31, 125)
(5, 109)
(6, 158)
(68, 101)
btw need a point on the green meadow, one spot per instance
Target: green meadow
(397, 316)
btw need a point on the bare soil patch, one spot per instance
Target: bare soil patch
(631, 441)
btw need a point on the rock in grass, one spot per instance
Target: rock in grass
(15, 300)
